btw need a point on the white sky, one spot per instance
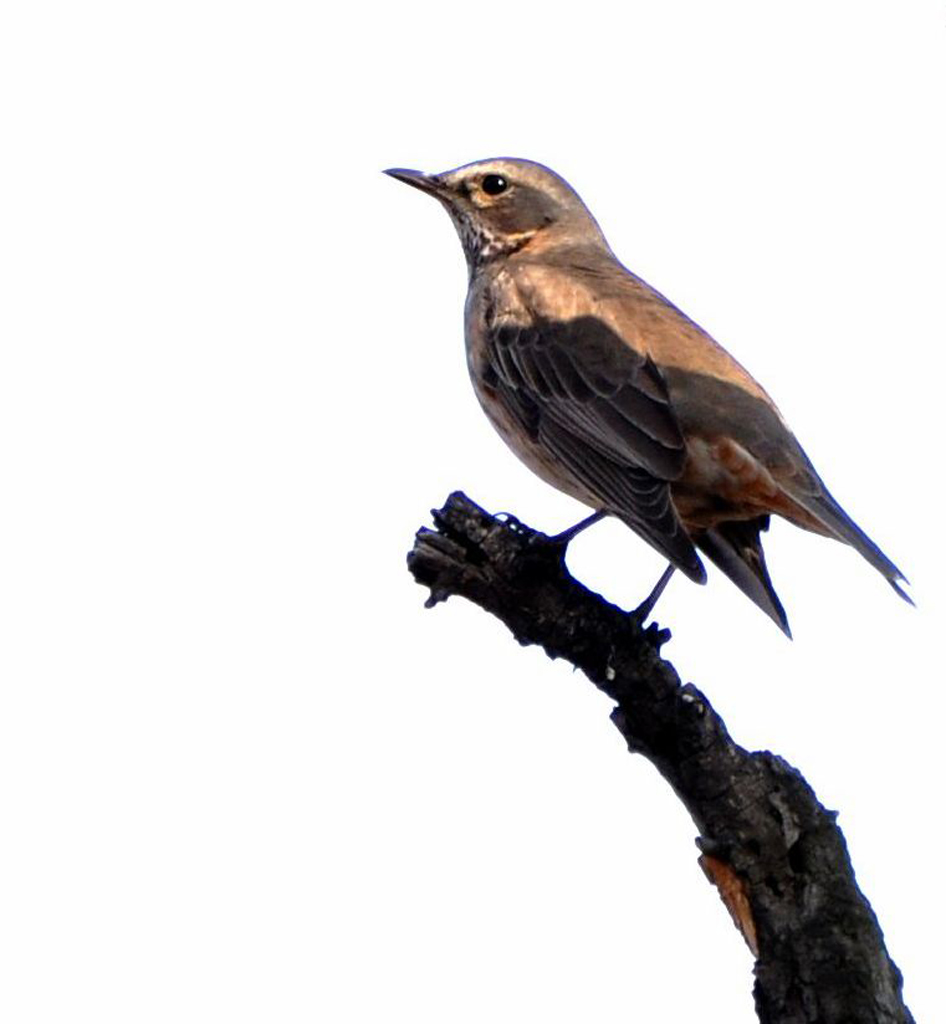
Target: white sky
(244, 776)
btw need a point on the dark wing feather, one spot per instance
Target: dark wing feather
(595, 384)
(602, 410)
(736, 548)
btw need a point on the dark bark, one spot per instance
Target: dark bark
(776, 855)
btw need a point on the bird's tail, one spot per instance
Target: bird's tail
(736, 548)
(841, 526)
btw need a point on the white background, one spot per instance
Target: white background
(244, 775)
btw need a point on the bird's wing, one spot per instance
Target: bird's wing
(602, 410)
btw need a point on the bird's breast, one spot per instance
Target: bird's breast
(515, 426)
(523, 441)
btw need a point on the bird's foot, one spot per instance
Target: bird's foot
(642, 612)
(564, 538)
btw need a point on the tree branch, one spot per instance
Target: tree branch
(776, 855)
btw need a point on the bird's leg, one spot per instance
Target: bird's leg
(643, 610)
(567, 536)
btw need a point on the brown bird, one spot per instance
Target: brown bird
(611, 394)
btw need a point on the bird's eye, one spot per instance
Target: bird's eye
(493, 184)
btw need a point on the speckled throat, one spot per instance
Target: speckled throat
(481, 245)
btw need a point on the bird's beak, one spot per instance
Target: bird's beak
(428, 183)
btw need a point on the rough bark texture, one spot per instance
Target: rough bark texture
(776, 854)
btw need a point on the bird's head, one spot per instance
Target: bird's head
(501, 206)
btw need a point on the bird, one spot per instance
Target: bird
(611, 394)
